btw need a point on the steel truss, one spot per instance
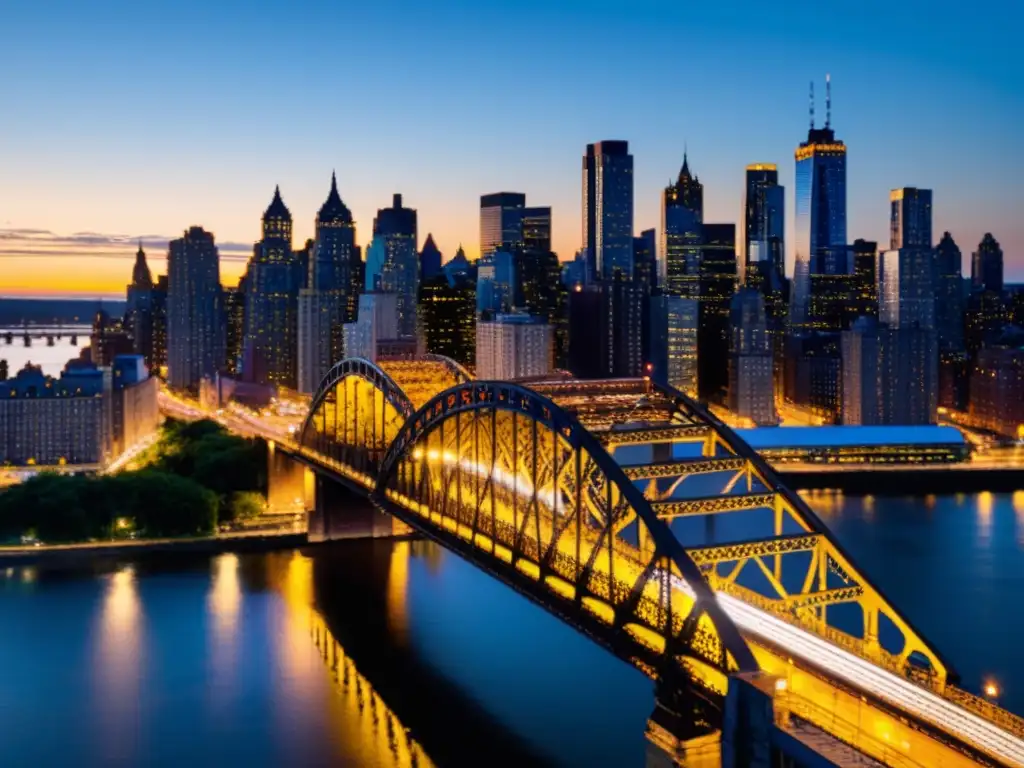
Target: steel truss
(508, 477)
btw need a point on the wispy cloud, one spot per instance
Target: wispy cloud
(21, 242)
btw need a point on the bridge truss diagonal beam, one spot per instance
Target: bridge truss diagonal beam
(712, 505)
(744, 550)
(683, 468)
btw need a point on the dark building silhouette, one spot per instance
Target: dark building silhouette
(949, 296)
(109, 339)
(645, 259)
(717, 286)
(430, 259)
(863, 299)
(540, 292)
(987, 266)
(138, 319)
(682, 232)
(605, 330)
(762, 251)
(987, 314)
(396, 229)
(195, 314)
(608, 210)
(159, 307)
(234, 315)
(813, 370)
(447, 316)
(273, 281)
(460, 268)
(751, 359)
(536, 229)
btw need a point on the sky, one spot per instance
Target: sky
(121, 120)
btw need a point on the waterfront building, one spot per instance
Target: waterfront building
(987, 266)
(195, 314)
(501, 222)
(447, 315)
(430, 259)
(820, 235)
(751, 360)
(273, 281)
(400, 273)
(138, 321)
(717, 286)
(329, 299)
(672, 342)
(857, 444)
(681, 235)
(997, 391)
(762, 247)
(513, 346)
(608, 210)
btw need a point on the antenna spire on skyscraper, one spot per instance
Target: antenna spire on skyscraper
(828, 101)
(812, 105)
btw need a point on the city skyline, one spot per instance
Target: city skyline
(108, 159)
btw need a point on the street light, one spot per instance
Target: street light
(991, 689)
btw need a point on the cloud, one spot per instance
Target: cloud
(23, 242)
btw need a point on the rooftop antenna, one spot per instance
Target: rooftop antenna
(812, 105)
(828, 101)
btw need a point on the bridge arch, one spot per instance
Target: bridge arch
(510, 480)
(355, 414)
(838, 580)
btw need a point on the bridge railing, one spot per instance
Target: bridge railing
(984, 708)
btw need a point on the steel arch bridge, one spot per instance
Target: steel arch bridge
(590, 489)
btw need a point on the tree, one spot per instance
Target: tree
(244, 505)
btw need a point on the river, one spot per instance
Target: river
(328, 655)
(52, 359)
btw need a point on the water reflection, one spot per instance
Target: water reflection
(398, 585)
(985, 501)
(1018, 508)
(118, 666)
(223, 601)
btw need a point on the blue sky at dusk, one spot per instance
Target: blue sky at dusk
(129, 119)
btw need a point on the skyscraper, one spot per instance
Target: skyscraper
(195, 316)
(949, 296)
(820, 238)
(139, 308)
(910, 218)
(430, 259)
(513, 346)
(501, 221)
(273, 280)
(496, 282)
(234, 314)
(329, 299)
(645, 259)
(539, 291)
(401, 270)
(717, 285)
(751, 360)
(987, 266)
(672, 357)
(536, 229)
(762, 248)
(608, 210)
(863, 299)
(605, 330)
(447, 317)
(682, 232)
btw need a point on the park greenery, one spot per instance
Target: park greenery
(195, 478)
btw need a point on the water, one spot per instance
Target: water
(52, 359)
(204, 661)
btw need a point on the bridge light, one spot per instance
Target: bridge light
(991, 689)
(781, 685)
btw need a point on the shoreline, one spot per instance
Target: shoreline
(905, 482)
(77, 554)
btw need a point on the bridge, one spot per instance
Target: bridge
(633, 514)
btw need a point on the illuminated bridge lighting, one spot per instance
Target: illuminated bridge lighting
(510, 481)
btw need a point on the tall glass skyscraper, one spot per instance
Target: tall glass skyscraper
(608, 210)
(820, 244)
(987, 265)
(910, 218)
(501, 221)
(764, 215)
(682, 221)
(400, 273)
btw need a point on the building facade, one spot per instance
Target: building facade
(681, 235)
(447, 317)
(501, 221)
(377, 328)
(910, 218)
(513, 346)
(196, 338)
(987, 266)
(138, 321)
(751, 360)
(672, 353)
(608, 210)
(762, 251)
(400, 273)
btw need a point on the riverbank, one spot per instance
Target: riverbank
(71, 555)
(906, 480)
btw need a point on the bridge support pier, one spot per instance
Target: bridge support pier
(679, 732)
(341, 513)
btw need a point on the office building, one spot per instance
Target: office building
(539, 292)
(671, 357)
(400, 273)
(501, 222)
(377, 328)
(950, 306)
(447, 316)
(430, 259)
(234, 314)
(681, 235)
(195, 314)
(159, 355)
(812, 379)
(138, 320)
(863, 349)
(717, 286)
(108, 339)
(645, 259)
(513, 346)
(496, 282)
(987, 315)
(863, 298)
(460, 268)
(606, 330)
(820, 243)
(273, 281)
(761, 257)
(987, 266)
(751, 360)
(329, 299)
(906, 292)
(997, 381)
(910, 218)
(536, 229)
(608, 210)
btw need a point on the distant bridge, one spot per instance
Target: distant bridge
(633, 514)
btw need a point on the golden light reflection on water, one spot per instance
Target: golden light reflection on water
(225, 597)
(1018, 511)
(985, 503)
(118, 665)
(398, 584)
(362, 726)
